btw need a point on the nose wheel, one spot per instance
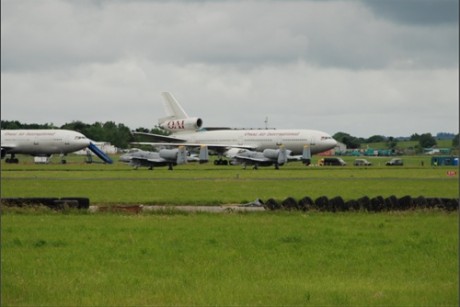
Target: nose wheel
(63, 160)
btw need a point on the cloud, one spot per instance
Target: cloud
(356, 66)
(419, 12)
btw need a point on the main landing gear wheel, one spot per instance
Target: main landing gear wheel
(220, 162)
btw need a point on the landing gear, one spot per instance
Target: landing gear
(12, 160)
(63, 160)
(220, 162)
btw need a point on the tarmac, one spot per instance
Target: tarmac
(210, 209)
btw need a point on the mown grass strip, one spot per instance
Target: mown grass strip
(209, 185)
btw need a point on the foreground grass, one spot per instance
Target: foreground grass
(230, 259)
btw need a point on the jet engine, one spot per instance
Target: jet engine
(186, 124)
(271, 153)
(168, 154)
(178, 155)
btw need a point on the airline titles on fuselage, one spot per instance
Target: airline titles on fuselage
(257, 134)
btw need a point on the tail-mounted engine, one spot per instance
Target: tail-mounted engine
(180, 125)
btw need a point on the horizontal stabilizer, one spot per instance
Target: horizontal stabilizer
(100, 153)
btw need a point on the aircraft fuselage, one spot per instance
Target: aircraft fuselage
(42, 142)
(292, 139)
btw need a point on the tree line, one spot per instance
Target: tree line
(425, 140)
(120, 135)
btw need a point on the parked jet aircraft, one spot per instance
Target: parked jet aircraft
(165, 157)
(268, 157)
(44, 143)
(276, 157)
(188, 131)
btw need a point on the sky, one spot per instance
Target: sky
(361, 67)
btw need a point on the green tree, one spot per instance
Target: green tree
(345, 138)
(427, 140)
(376, 139)
(392, 142)
(455, 142)
(6, 124)
(76, 126)
(415, 137)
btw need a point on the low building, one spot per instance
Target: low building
(444, 160)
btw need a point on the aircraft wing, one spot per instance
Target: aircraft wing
(159, 138)
(252, 159)
(295, 158)
(142, 162)
(221, 148)
(163, 140)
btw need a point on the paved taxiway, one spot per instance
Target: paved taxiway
(212, 209)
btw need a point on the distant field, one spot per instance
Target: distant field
(209, 185)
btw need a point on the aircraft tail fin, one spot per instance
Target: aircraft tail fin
(306, 155)
(282, 156)
(172, 108)
(181, 155)
(177, 120)
(204, 154)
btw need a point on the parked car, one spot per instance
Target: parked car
(395, 162)
(362, 162)
(332, 161)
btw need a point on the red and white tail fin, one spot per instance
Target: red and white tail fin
(177, 119)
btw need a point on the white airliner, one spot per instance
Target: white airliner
(186, 130)
(44, 143)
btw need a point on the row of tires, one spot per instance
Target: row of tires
(50, 202)
(374, 204)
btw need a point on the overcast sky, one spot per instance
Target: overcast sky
(361, 67)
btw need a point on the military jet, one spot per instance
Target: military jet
(164, 157)
(268, 157)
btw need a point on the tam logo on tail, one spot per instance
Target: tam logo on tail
(177, 120)
(175, 124)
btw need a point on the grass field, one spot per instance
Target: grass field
(267, 258)
(209, 185)
(276, 259)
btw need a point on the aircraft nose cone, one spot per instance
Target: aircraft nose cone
(333, 142)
